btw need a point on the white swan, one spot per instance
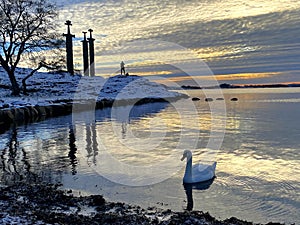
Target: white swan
(198, 172)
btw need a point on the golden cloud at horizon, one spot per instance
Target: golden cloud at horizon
(226, 77)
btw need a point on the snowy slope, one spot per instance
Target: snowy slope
(47, 88)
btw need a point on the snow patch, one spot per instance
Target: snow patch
(49, 88)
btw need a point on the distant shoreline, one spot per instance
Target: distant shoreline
(235, 86)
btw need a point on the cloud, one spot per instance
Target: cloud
(231, 36)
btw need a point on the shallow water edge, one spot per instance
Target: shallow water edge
(44, 203)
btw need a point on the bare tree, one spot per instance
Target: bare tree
(27, 28)
(39, 61)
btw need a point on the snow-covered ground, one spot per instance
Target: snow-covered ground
(48, 88)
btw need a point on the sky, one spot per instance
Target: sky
(238, 41)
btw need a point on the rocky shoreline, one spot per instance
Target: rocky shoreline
(52, 95)
(28, 114)
(24, 203)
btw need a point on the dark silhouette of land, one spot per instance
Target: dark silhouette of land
(231, 86)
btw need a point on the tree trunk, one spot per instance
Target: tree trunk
(29, 75)
(14, 84)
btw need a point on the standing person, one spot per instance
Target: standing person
(122, 67)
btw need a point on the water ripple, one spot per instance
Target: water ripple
(258, 194)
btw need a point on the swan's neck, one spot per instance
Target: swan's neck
(188, 170)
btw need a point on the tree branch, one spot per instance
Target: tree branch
(26, 27)
(41, 65)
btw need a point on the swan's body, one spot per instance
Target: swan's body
(198, 172)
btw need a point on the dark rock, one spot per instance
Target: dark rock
(97, 200)
(33, 111)
(8, 116)
(49, 111)
(225, 85)
(208, 99)
(190, 87)
(27, 114)
(59, 110)
(19, 114)
(236, 221)
(41, 110)
(195, 99)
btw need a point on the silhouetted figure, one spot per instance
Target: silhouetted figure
(122, 68)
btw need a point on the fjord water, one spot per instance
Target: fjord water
(257, 176)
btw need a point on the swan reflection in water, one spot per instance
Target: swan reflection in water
(197, 186)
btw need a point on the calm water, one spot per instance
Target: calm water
(258, 163)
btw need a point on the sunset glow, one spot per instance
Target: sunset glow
(225, 34)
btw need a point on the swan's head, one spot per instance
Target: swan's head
(186, 154)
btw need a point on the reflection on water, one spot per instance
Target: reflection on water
(13, 159)
(73, 150)
(189, 191)
(91, 143)
(27, 156)
(258, 164)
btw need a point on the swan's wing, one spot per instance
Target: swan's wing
(203, 172)
(204, 168)
(203, 177)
